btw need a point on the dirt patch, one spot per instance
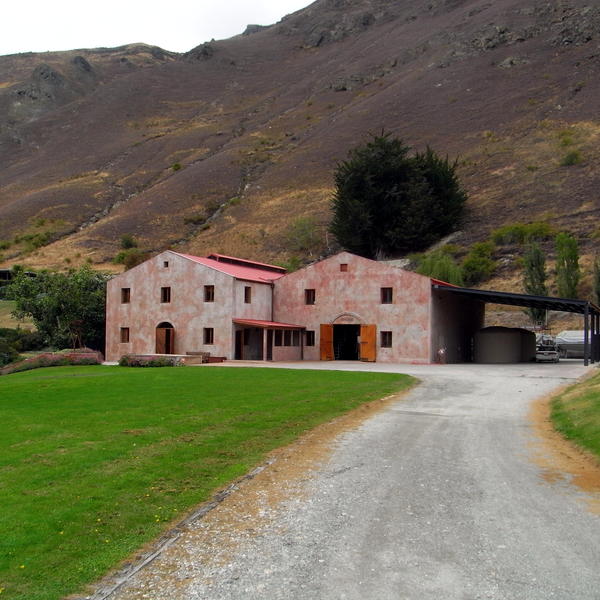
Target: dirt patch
(561, 460)
(206, 540)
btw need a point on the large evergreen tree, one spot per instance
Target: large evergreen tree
(534, 279)
(568, 272)
(387, 202)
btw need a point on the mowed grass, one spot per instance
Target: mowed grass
(576, 414)
(95, 461)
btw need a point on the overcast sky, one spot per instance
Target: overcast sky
(40, 25)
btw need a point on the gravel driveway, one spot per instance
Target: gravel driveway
(440, 496)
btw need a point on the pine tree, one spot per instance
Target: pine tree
(534, 279)
(568, 273)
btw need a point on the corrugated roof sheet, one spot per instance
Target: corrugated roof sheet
(245, 272)
(254, 263)
(269, 324)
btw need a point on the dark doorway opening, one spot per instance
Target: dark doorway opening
(165, 339)
(345, 342)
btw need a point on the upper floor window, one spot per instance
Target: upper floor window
(165, 294)
(247, 294)
(309, 296)
(343, 267)
(125, 295)
(209, 293)
(387, 295)
(166, 264)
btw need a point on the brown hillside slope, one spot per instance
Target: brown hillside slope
(244, 133)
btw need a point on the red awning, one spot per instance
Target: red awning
(266, 324)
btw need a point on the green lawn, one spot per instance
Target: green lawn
(95, 461)
(576, 414)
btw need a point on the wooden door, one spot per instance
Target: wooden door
(368, 343)
(161, 340)
(326, 342)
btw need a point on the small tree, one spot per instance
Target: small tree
(568, 273)
(67, 308)
(479, 265)
(387, 202)
(534, 279)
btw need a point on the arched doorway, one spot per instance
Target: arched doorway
(165, 339)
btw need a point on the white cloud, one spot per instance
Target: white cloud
(40, 25)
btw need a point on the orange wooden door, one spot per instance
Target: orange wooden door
(161, 340)
(368, 345)
(326, 342)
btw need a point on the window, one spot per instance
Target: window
(209, 293)
(309, 296)
(125, 295)
(295, 338)
(386, 339)
(310, 338)
(247, 294)
(165, 294)
(344, 267)
(278, 337)
(209, 335)
(166, 264)
(287, 338)
(387, 295)
(124, 335)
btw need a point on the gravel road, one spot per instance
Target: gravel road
(439, 496)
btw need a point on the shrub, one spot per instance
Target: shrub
(571, 158)
(128, 241)
(54, 359)
(478, 265)
(521, 233)
(133, 360)
(130, 258)
(441, 266)
(176, 166)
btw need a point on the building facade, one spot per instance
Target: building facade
(342, 308)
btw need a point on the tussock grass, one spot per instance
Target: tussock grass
(96, 461)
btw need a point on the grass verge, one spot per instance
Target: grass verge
(576, 414)
(96, 461)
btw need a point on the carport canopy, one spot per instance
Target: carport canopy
(589, 310)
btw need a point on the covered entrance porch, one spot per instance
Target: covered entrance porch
(267, 340)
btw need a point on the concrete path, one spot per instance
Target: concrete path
(437, 497)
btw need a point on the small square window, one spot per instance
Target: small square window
(209, 293)
(387, 295)
(124, 335)
(309, 296)
(278, 337)
(310, 338)
(166, 264)
(209, 335)
(125, 295)
(386, 339)
(344, 267)
(165, 294)
(247, 294)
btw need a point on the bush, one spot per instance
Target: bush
(133, 360)
(441, 266)
(571, 158)
(8, 352)
(522, 233)
(130, 258)
(478, 265)
(128, 241)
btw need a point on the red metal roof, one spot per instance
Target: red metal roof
(267, 324)
(255, 263)
(440, 282)
(245, 272)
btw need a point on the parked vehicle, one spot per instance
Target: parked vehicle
(546, 350)
(570, 344)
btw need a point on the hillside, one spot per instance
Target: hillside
(223, 147)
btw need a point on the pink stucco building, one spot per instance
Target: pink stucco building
(344, 307)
